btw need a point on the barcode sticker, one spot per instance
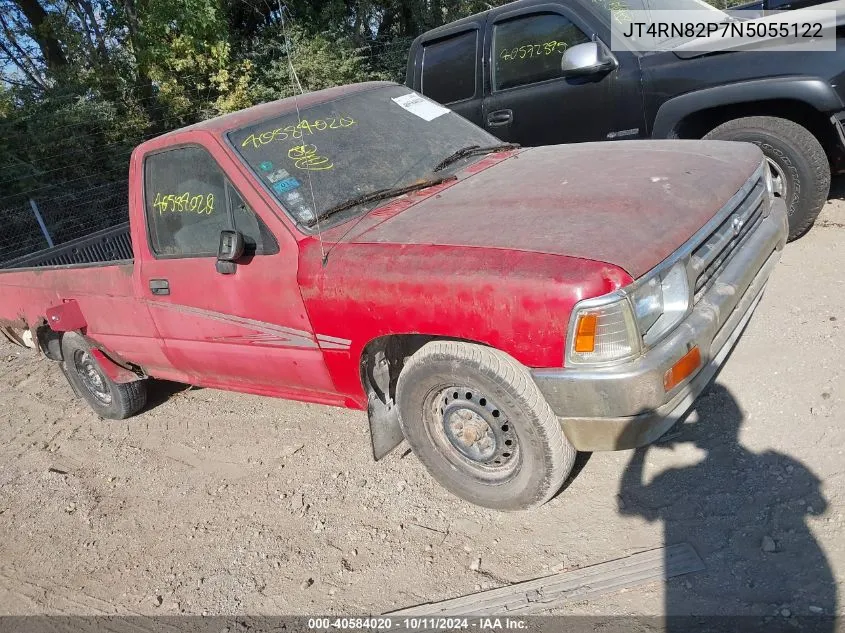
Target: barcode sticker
(420, 106)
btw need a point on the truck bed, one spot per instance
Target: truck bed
(108, 245)
(103, 290)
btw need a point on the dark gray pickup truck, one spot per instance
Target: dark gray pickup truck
(540, 72)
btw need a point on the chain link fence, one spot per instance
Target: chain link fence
(53, 217)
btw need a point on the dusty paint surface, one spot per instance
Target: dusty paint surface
(630, 205)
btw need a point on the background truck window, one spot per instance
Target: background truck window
(529, 49)
(448, 68)
(189, 202)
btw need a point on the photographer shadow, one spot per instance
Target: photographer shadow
(746, 515)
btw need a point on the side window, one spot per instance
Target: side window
(448, 68)
(189, 201)
(529, 49)
(257, 237)
(186, 202)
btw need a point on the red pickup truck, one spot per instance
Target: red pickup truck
(499, 308)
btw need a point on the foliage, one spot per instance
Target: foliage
(320, 60)
(83, 81)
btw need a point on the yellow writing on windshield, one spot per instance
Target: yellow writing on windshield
(184, 203)
(298, 131)
(305, 157)
(534, 50)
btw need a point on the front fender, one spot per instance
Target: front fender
(813, 91)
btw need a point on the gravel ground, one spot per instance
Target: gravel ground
(222, 503)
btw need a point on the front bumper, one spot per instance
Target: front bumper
(625, 406)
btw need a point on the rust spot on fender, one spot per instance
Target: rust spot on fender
(614, 278)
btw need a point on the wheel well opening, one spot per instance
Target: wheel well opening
(381, 363)
(697, 124)
(383, 359)
(49, 341)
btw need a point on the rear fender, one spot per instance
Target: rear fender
(118, 374)
(113, 366)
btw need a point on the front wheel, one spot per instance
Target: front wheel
(479, 424)
(797, 161)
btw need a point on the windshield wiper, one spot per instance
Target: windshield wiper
(380, 194)
(473, 150)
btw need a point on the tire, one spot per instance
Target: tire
(109, 399)
(797, 155)
(453, 394)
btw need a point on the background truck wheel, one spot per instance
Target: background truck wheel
(800, 169)
(109, 399)
(479, 424)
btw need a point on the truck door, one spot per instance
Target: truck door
(248, 329)
(447, 69)
(530, 103)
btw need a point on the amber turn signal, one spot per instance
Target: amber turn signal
(585, 333)
(682, 369)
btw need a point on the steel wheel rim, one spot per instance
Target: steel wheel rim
(92, 378)
(473, 433)
(778, 178)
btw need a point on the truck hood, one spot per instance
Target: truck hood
(630, 204)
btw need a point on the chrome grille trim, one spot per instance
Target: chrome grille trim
(708, 259)
(692, 244)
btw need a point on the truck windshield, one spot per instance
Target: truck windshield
(339, 150)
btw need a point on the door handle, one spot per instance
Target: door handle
(160, 286)
(499, 118)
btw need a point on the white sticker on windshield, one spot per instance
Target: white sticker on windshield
(422, 107)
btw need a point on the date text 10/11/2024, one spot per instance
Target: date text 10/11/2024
(420, 623)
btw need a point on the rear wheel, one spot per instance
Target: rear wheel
(110, 400)
(479, 424)
(797, 161)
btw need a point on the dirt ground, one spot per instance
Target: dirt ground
(222, 503)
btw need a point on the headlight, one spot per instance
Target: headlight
(770, 186)
(602, 330)
(648, 303)
(616, 326)
(661, 302)
(767, 176)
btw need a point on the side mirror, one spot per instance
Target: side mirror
(586, 59)
(229, 251)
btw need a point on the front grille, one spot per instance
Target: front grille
(708, 260)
